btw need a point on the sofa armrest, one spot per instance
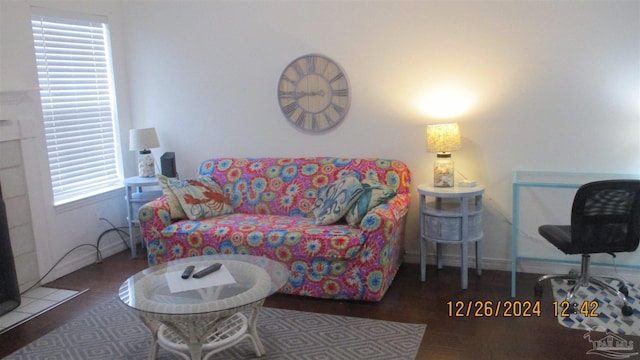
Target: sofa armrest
(385, 222)
(154, 216)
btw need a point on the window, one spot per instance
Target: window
(78, 105)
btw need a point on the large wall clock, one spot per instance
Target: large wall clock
(314, 93)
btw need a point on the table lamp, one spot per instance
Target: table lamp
(442, 139)
(143, 140)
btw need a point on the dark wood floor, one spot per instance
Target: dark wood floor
(408, 300)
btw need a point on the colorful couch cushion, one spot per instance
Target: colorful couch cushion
(279, 237)
(334, 201)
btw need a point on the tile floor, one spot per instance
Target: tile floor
(33, 303)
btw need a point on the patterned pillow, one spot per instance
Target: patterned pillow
(201, 197)
(338, 198)
(375, 193)
(175, 209)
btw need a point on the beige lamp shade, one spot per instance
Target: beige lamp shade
(143, 139)
(443, 138)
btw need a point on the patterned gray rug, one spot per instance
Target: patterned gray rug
(111, 331)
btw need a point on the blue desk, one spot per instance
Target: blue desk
(549, 180)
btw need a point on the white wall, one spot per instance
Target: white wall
(552, 85)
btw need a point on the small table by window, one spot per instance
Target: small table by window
(136, 197)
(454, 216)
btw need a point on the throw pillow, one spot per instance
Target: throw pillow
(375, 193)
(201, 197)
(338, 198)
(175, 209)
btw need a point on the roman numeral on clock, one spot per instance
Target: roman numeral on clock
(298, 69)
(340, 92)
(286, 94)
(336, 78)
(311, 65)
(339, 109)
(300, 120)
(290, 108)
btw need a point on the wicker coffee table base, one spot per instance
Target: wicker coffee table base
(200, 337)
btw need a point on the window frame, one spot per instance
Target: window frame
(107, 155)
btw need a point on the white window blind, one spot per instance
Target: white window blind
(78, 105)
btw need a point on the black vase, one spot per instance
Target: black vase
(9, 290)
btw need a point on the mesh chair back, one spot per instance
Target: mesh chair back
(605, 217)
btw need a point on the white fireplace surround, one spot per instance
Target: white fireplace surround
(15, 134)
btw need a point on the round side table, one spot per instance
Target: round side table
(451, 215)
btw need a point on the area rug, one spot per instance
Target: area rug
(609, 319)
(111, 331)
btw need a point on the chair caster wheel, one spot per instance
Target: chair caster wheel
(627, 310)
(624, 290)
(537, 289)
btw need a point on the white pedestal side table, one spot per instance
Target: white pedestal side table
(454, 216)
(136, 197)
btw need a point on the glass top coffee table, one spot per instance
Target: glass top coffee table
(196, 317)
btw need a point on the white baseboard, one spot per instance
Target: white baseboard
(452, 260)
(532, 267)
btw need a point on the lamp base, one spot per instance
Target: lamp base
(146, 164)
(443, 170)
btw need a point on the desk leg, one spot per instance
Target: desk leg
(439, 256)
(514, 235)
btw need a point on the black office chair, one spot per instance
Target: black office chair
(605, 218)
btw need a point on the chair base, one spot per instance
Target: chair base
(585, 279)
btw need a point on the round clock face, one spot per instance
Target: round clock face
(313, 93)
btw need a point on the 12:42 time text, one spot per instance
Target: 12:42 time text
(584, 308)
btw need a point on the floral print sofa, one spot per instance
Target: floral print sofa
(272, 200)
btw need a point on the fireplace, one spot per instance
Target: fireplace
(9, 290)
(19, 111)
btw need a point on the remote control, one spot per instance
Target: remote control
(206, 271)
(187, 272)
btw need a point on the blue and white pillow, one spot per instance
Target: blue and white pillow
(375, 193)
(334, 202)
